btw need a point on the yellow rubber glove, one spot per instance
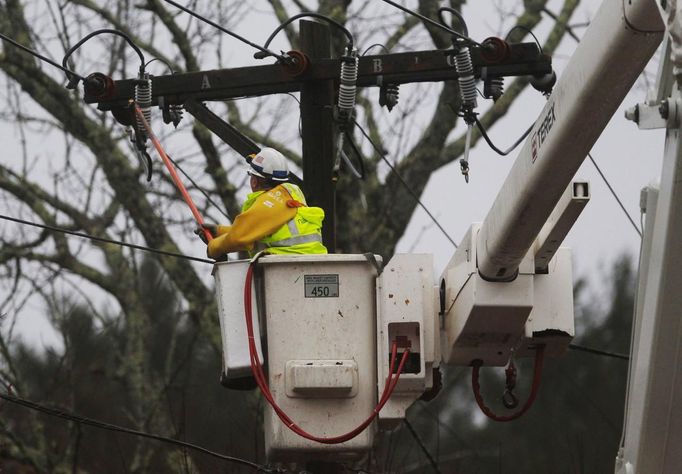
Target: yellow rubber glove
(222, 229)
(268, 213)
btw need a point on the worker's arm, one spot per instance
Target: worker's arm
(222, 229)
(265, 216)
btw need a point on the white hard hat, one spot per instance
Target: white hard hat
(269, 164)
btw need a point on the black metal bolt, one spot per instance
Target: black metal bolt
(664, 109)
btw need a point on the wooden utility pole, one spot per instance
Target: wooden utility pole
(319, 132)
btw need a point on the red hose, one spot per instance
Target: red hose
(257, 370)
(173, 173)
(537, 375)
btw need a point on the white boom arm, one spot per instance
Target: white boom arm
(619, 42)
(495, 301)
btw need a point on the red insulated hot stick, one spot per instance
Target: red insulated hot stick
(173, 173)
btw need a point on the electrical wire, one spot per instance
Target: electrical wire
(434, 23)
(422, 446)
(374, 46)
(485, 136)
(201, 190)
(225, 30)
(331, 21)
(65, 415)
(346, 159)
(170, 68)
(174, 176)
(87, 37)
(176, 180)
(41, 57)
(484, 133)
(456, 14)
(350, 166)
(613, 192)
(615, 355)
(105, 240)
(404, 183)
(527, 30)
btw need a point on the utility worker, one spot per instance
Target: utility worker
(275, 216)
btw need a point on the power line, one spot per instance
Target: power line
(615, 195)
(615, 355)
(434, 23)
(225, 30)
(105, 240)
(208, 198)
(375, 45)
(55, 412)
(331, 21)
(407, 186)
(527, 30)
(585, 396)
(41, 57)
(484, 133)
(416, 437)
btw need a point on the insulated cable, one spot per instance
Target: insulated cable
(422, 446)
(41, 57)
(404, 183)
(537, 375)
(303, 15)
(615, 355)
(456, 14)
(73, 49)
(358, 174)
(620, 203)
(201, 190)
(143, 88)
(105, 240)
(261, 380)
(225, 30)
(485, 136)
(350, 166)
(435, 23)
(170, 68)
(527, 30)
(65, 415)
(374, 46)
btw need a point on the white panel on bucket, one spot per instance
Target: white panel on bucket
(230, 278)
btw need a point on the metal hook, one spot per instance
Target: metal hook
(509, 399)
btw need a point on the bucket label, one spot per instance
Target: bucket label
(321, 286)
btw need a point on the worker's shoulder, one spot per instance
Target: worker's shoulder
(278, 195)
(294, 190)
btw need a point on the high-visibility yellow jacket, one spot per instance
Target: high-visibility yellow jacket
(277, 220)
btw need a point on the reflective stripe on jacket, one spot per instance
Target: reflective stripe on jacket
(300, 235)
